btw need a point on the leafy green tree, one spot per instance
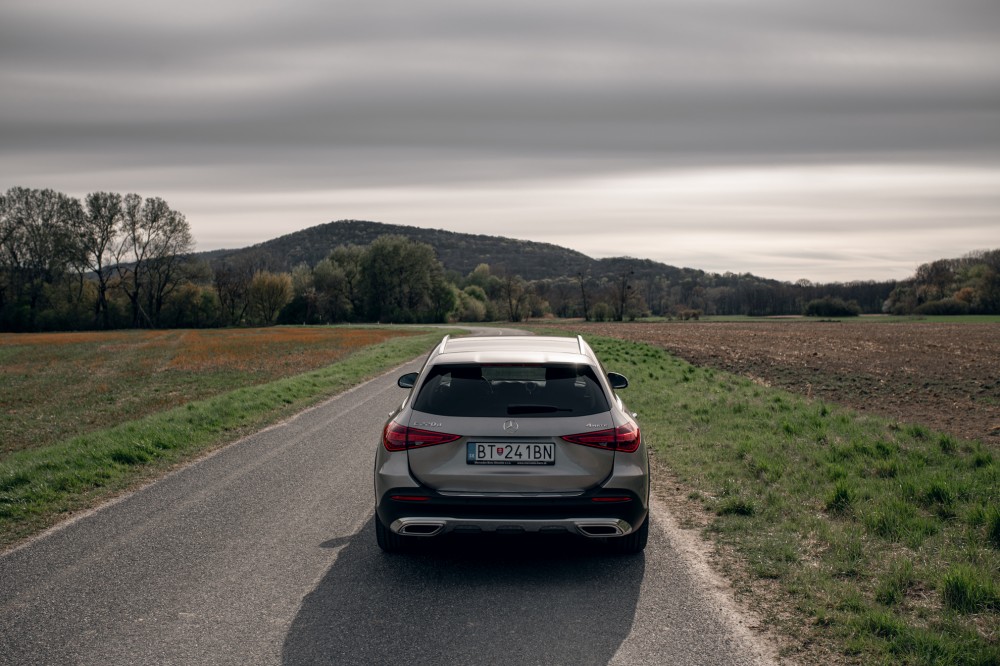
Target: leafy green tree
(402, 281)
(191, 306)
(469, 307)
(348, 258)
(476, 292)
(39, 236)
(269, 293)
(334, 290)
(443, 299)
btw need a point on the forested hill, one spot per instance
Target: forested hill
(149, 278)
(456, 251)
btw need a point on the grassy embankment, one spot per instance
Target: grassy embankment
(87, 415)
(874, 540)
(886, 319)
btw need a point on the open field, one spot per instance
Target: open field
(86, 416)
(57, 385)
(942, 375)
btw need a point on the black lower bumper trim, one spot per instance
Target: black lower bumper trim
(423, 503)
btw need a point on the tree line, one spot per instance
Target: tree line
(968, 285)
(108, 261)
(118, 261)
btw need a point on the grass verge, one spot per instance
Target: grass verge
(864, 539)
(41, 486)
(863, 319)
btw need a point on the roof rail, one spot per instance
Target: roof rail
(444, 341)
(582, 344)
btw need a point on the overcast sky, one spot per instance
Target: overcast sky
(831, 141)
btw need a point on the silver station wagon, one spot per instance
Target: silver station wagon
(511, 435)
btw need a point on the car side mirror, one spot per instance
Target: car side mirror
(407, 380)
(617, 381)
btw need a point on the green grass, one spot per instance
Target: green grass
(863, 319)
(41, 485)
(882, 539)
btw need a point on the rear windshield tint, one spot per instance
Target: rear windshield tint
(511, 390)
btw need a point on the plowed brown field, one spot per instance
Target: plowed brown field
(944, 376)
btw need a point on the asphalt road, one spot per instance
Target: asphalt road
(265, 553)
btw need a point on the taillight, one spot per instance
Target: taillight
(398, 437)
(623, 438)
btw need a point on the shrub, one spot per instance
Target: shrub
(944, 307)
(832, 307)
(602, 312)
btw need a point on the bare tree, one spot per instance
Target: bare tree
(584, 295)
(168, 266)
(99, 234)
(623, 293)
(232, 285)
(516, 294)
(152, 246)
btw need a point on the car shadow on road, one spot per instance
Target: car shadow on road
(469, 600)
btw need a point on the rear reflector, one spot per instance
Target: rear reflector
(610, 499)
(409, 498)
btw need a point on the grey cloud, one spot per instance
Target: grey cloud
(311, 95)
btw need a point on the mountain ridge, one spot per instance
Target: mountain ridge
(457, 251)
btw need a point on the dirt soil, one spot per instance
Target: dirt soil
(943, 376)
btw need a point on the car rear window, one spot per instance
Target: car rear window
(511, 390)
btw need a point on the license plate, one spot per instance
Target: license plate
(511, 453)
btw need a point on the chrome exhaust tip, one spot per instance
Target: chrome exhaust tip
(610, 528)
(420, 529)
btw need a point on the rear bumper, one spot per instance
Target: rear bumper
(598, 513)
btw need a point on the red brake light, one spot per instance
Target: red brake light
(624, 438)
(627, 438)
(397, 437)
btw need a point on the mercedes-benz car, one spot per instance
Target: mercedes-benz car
(512, 435)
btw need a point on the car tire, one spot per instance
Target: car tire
(389, 541)
(633, 542)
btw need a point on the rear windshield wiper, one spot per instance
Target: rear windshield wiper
(535, 409)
